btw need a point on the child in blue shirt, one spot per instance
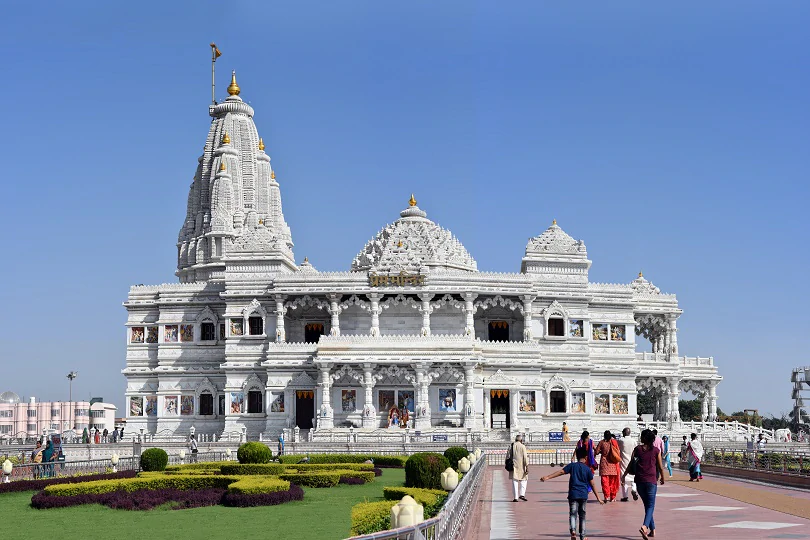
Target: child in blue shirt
(581, 478)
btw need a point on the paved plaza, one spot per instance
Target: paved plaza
(715, 508)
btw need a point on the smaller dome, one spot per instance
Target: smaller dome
(554, 240)
(306, 267)
(643, 286)
(9, 397)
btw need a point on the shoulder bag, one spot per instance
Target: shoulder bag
(509, 465)
(632, 467)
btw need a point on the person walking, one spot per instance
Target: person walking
(667, 460)
(48, 457)
(566, 437)
(694, 453)
(626, 446)
(648, 466)
(105, 436)
(192, 446)
(579, 484)
(610, 457)
(586, 442)
(85, 436)
(36, 457)
(520, 468)
(97, 437)
(281, 443)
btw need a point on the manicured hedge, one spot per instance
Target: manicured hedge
(36, 485)
(431, 499)
(379, 461)
(212, 465)
(138, 500)
(253, 468)
(307, 467)
(259, 484)
(154, 459)
(424, 470)
(371, 517)
(142, 483)
(295, 493)
(254, 452)
(455, 453)
(314, 479)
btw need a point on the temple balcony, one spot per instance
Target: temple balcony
(697, 361)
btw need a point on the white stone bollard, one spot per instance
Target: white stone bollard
(464, 465)
(477, 453)
(472, 459)
(407, 512)
(449, 479)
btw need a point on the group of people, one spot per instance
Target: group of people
(45, 456)
(635, 467)
(102, 437)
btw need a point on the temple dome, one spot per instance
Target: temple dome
(554, 240)
(411, 243)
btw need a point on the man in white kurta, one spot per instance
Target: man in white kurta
(626, 445)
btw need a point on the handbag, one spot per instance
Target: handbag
(614, 455)
(509, 465)
(632, 467)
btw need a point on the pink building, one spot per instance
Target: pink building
(33, 418)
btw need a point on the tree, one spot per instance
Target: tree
(645, 402)
(690, 409)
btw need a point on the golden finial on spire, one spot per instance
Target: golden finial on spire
(399, 244)
(306, 260)
(221, 165)
(412, 201)
(261, 144)
(640, 274)
(553, 221)
(273, 175)
(233, 88)
(226, 139)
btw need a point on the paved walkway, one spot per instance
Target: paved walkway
(711, 509)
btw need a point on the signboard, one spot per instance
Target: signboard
(555, 436)
(440, 438)
(396, 280)
(56, 440)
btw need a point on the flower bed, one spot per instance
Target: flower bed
(379, 461)
(36, 485)
(295, 493)
(159, 481)
(133, 500)
(252, 468)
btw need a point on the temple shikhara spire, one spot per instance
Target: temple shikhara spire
(409, 333)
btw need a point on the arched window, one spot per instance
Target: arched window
(556, 400)
(312, 332)
(256, 325)
(556, 326)
(498, 331)
(206, 404)
(208, 331)
(255, 315)
(255, 401)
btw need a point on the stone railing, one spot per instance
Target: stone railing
(650, 357)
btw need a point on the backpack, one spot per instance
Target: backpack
(614, 455)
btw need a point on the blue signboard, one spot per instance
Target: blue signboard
(440, 438)
(555, 436)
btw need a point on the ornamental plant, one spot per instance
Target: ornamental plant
(154, 459)
(424, 470)
(455, 453)
(254, 452)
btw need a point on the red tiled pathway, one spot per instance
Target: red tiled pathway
(680, 512)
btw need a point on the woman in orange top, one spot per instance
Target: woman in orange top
(608, 472)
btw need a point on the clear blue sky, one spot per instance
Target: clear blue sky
(672, 139)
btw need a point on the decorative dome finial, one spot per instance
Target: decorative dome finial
(226, 139)
(221, 165)
(306, 260)
(640, 274)
(412, 201)
(553, 221)
(273, 175)
(261, 144)
(233, 88)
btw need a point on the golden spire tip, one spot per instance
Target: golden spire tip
(412, 201)
(640, 274)
(221, 165)
(273, 175)
(261, 144)
(553, 221)
(226, 139)
(306, 259)
(233, 88)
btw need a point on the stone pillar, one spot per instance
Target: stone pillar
(713, 401)
(375, 314)
(469, 396)
(514, 403)
(422, 398)
(370, 419)
(325, 414)
(673, 335)
(334, 311)
(280, 311)
(527, 317)
(426, 310)
(289, 396)
(487, 408)
(674, 394)
(469, 312)
(704, 406)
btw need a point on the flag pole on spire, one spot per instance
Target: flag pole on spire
(215, 53)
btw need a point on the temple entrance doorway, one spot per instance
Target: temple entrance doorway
(499, 409)
(304, 408)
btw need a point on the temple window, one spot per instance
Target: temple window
(556, 327)
(206, 404)
(576, 328)
(255, 401)
(498, 331)
(312, 332)
(256, 325)
(208, 331)
(557, 401)
(137, 334)
(617, 332)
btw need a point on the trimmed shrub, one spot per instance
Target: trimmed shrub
(455, 453)
(258, 484)
(253, 468)
(139, 500)
(154, 459)
(351, 480)
(377, 471)
(295, 493)
(424, 470)
(365, 476)
(32, 485)
(148, 482)
(371, 517)
(205, 465)
(314, 479)
(379, 461)
(306, 467)
(431, 499)
(254, 452)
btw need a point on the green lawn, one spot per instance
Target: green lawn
(323, 514)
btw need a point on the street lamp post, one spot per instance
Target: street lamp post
(72, 375)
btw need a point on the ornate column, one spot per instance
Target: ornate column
(334, 311)
(713, 401)
(469, 312)
(514, 404)
(426, 311)
(375, 314)
(674, 394)
(288, 406)
(704, 406)
(527, 317)
(280, 311)
(673, 335)
(469, 396)
(422, 397)
(369, 412)
(487, 408)
(325, 414)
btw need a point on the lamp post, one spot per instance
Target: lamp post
(72, 375)
(114, 460)
(182, 455)
(7, 468)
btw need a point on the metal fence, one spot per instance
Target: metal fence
(200, 457)
(786, 463)
(448, 523)
(37, 471)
